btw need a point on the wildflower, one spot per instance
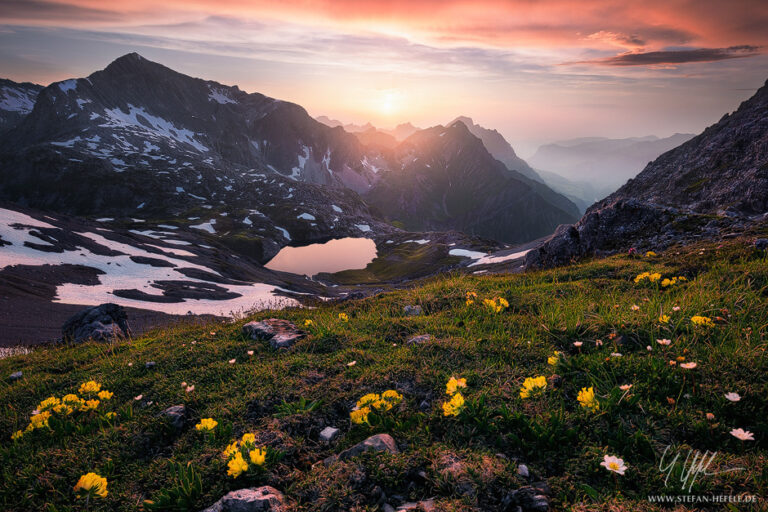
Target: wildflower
(598, 343)
(733, 397)
(207, 424)
(742, 435)
(392, 397)
(454, 384)
(237, 465)
(625, 387)
(680, 359)
(586, 398)
(190, 388)
(703, 321)
(250, 352)
(90, 387)
(360, 416)
(689, 366)
(309, 323)
(672, 362)
(105, 395)
(91, 484)
(675, 308)
(552, 360)
(664, 342)
(110, 415)
(48, 403)
(533, 386)
(710, 416)
(454, 406)
(648, 348)
(138, 397)
(368, 400)
(577, 344)
(39, 420)
(471, 296)
(664, 319)
(90, 405)
(231, 449)
(650, 254)
(258, 456)
(634, 307)
(352, 363)
(17, 435)
(232, 361)
(614, 464)
(616, 354)
(343, 317)
(183, 384)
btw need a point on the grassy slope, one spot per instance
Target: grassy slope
(495, 352)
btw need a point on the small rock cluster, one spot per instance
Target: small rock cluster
(99, 323)
(280, 333)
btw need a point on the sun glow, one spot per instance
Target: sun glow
(389, 102)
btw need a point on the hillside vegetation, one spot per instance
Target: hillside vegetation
(603, 324)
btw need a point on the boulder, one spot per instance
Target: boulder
(176, 415)
(413, 310)
(279, 333)
(16, 375)
(100, 323)
(761, 244)
(328, 434)
(254, 499)
(530, 498)
(377, 443)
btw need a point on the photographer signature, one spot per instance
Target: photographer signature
(695, 464)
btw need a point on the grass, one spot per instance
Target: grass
(467, 462)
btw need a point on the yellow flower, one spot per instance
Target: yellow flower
(258, 456)
(105, 395)
(664, 319)
(552, 360)
(308, 323)
(703, 321)
(39, 420)
(650, 254)
(111, 415)
(392, 396)
(454, 384)
(237, 465)
(454, 406)
(369, 399)
(90, 405)
(360, 416)
(90, 387)
(207, 424)
(588, 400)
(343, 317)
(231, 449)
(642, 276)
(48, 403)
(17, 435)
(91, 484)
(63, 409)
(249, 439)
(532, 386)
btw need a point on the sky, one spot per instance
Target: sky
(536, 70)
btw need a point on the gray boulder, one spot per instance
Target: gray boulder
(176, 415)
(413, 311)
(16, 375)
(328, 434)
(255, 499)
(99, 323)
(377, 443)
(279, 333)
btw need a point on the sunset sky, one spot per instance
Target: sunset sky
(535, 70)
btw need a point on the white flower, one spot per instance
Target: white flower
(130, 364)
(625, 387)
(598, 343)
(232, 361)
(190, 388)
(648, 348)
(688, 366)
(352, 363)
(614, 464)
(250, 352)
(615, 354)
(577, 343)
(664, 342)
(675, 308)
(138, 397)
(733, 397)
(742, 435)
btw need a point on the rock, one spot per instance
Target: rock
(387, 508)
(100, 323)
(177, 416)
(413, 311)
(761, 244)
(528, 498)
(522, 470)
(279, 333)
(423, 506)
(149, 365)
(377, 443)
(255, 499)
(16, 375)
(422, 338)
(328, 434)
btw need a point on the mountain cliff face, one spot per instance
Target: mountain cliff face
(498, 146)
(726, 166)
(446, 177)
(714, 185)
(16, 102)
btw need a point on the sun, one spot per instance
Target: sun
(389, 102)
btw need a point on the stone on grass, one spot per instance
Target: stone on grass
(328, 434)
(423, 506)
(176, 415)
(522, 470)
(254, 499)
(413, 311)
(99, 323)
(149, 365)
(279, 333)
(761, 244)
(528, 498)
(421, 338)
(16, 375)
(377, 443)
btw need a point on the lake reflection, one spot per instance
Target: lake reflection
(332, 256)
